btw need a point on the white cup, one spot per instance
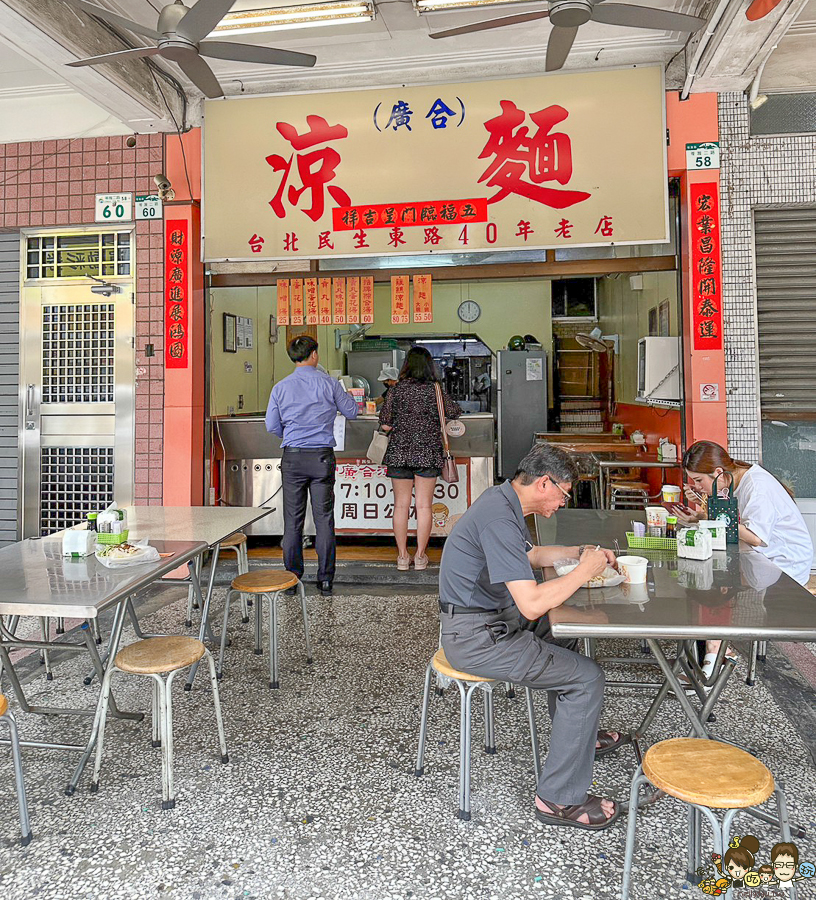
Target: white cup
(633, 568)
(671, 493)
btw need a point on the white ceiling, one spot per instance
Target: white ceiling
(395, 48)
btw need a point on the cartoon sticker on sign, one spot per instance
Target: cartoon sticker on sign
(528, 162)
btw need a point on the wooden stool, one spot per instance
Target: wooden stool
(238, 544)
(155, 657)
(467, 684)
(706, 775)
(266, 583)
(7, 719)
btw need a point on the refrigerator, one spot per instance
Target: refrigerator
(521, 403)
(369, 363)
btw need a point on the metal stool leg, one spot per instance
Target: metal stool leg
(762, 650)
(464, 747)
(222, 741)
(273, 640)
(156, 723)
(60, 625)
(22, 805)
(419, 769)
(631, 830)
(509, 690)
(166, 706)
(490, 733)
(752, 664)
(223, 647)
(533, 733)
(258, 624)
(45, 627)
(305, 611)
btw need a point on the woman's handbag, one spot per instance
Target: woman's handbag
(728, 507)
(450, 473)
(377, 447)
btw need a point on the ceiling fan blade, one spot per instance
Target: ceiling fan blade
(760, 8)
(645, 17)
(202, 18)
(559, 46)
(267, 56)
(112, 19)
(492, 23)
(134, 53)
(201, 75)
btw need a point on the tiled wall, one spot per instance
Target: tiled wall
(53, 183)
(755, 171)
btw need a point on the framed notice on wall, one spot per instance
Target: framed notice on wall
(230, 333)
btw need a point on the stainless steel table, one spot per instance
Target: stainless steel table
(36, 580)
(210, 524)
(633, 463)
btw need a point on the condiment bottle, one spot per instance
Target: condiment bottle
(671, 527)
(92, 521)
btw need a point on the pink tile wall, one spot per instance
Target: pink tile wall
(53, 183)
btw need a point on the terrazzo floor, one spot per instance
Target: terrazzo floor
(318, 799)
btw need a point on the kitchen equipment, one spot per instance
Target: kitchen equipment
(659, 369)
(522, 404)
(369, 363)
(633, 568)
(666, 450)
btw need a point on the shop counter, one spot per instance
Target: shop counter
(249, 460)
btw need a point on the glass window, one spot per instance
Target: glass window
(78, 255)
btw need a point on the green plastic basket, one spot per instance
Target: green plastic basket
(104, 538)
(650, 543)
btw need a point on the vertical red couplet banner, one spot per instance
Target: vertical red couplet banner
(325, 301)
(400, 300)
(423, 299)
(176, 293)
(283, 301)
(310, 292)
(353, 303)
(706, 286)
(297, 301)
(339, 310)
(367, 300)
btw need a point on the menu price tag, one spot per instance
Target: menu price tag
(339, 310)
(325, 302)
(310, 295)
(283, 301)
(297, 301)
(423, 299)
(353, 300)
(400, 300)
(367, 300)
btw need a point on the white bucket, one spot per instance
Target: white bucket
(633, 568)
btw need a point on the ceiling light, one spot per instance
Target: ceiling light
(424, 6)
(308, 15)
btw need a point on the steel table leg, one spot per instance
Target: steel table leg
(204, 630)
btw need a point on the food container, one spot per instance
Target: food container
(671, 493)
(607, 578)
(717, 529)
(371, 408)
(694, 543)
(633, 568)
(657, 515)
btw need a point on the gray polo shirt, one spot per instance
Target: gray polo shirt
(487, 547)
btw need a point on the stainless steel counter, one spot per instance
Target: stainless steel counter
(249, 466)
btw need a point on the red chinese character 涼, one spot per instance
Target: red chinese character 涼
(290, 240)
(256, 242)
(315, 169)
(524, 230)
(564, 229)
(395, 236)
(324, 240)
(605, 226)
(540, 156)
(360, 240)
(432, 236)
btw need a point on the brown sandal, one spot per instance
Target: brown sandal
(569, 815)
(610, 744)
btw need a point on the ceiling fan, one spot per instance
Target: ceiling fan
(568, 15)
(179, 36)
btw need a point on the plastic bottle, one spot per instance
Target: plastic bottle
(92, 521)
(671, 527)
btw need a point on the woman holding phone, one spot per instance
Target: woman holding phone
(770, 520)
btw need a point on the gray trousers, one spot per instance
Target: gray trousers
(495, 645)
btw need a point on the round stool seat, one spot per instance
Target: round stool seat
(266, 581)
(629, 486)
(708, 773)
(153, 656)
(234, 540)
(3, 705)
(440, 664)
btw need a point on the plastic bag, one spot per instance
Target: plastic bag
(116, 556)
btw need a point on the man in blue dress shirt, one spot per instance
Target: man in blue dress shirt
(302, 409)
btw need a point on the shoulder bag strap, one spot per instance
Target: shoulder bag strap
(440, 406)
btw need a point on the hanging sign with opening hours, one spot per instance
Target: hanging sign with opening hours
(148, 207)
(114, 208)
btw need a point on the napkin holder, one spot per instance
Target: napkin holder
(78, 542)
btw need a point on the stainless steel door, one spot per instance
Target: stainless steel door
(77, 397)
(522, 405)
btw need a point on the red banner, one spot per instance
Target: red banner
(423, 299)
(407, 215)
(706, 290)
(297, 301)
(283, 301)
(176, 293)
(367, 299)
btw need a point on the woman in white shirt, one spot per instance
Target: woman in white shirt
(770, 520)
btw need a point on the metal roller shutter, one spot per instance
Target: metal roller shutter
(786, 311)
(9, 385)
